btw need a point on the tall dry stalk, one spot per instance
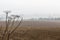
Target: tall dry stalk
(8, 32)
(6, 29)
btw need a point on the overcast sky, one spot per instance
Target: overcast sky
(31, 8)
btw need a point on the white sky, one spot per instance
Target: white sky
(31, 8)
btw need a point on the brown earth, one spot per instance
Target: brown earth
(36, 30)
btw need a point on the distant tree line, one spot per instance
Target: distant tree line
(44, 19)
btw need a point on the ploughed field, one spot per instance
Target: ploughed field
(37, 30)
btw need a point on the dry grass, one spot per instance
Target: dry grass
(37, 30)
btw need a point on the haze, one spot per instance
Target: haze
(31, 8)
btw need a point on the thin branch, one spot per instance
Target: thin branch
(16, 26)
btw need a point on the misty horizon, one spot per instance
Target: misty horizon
(31, 8)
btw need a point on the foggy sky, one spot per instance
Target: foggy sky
(31, 8)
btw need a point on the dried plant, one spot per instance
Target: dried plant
(10, 21)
